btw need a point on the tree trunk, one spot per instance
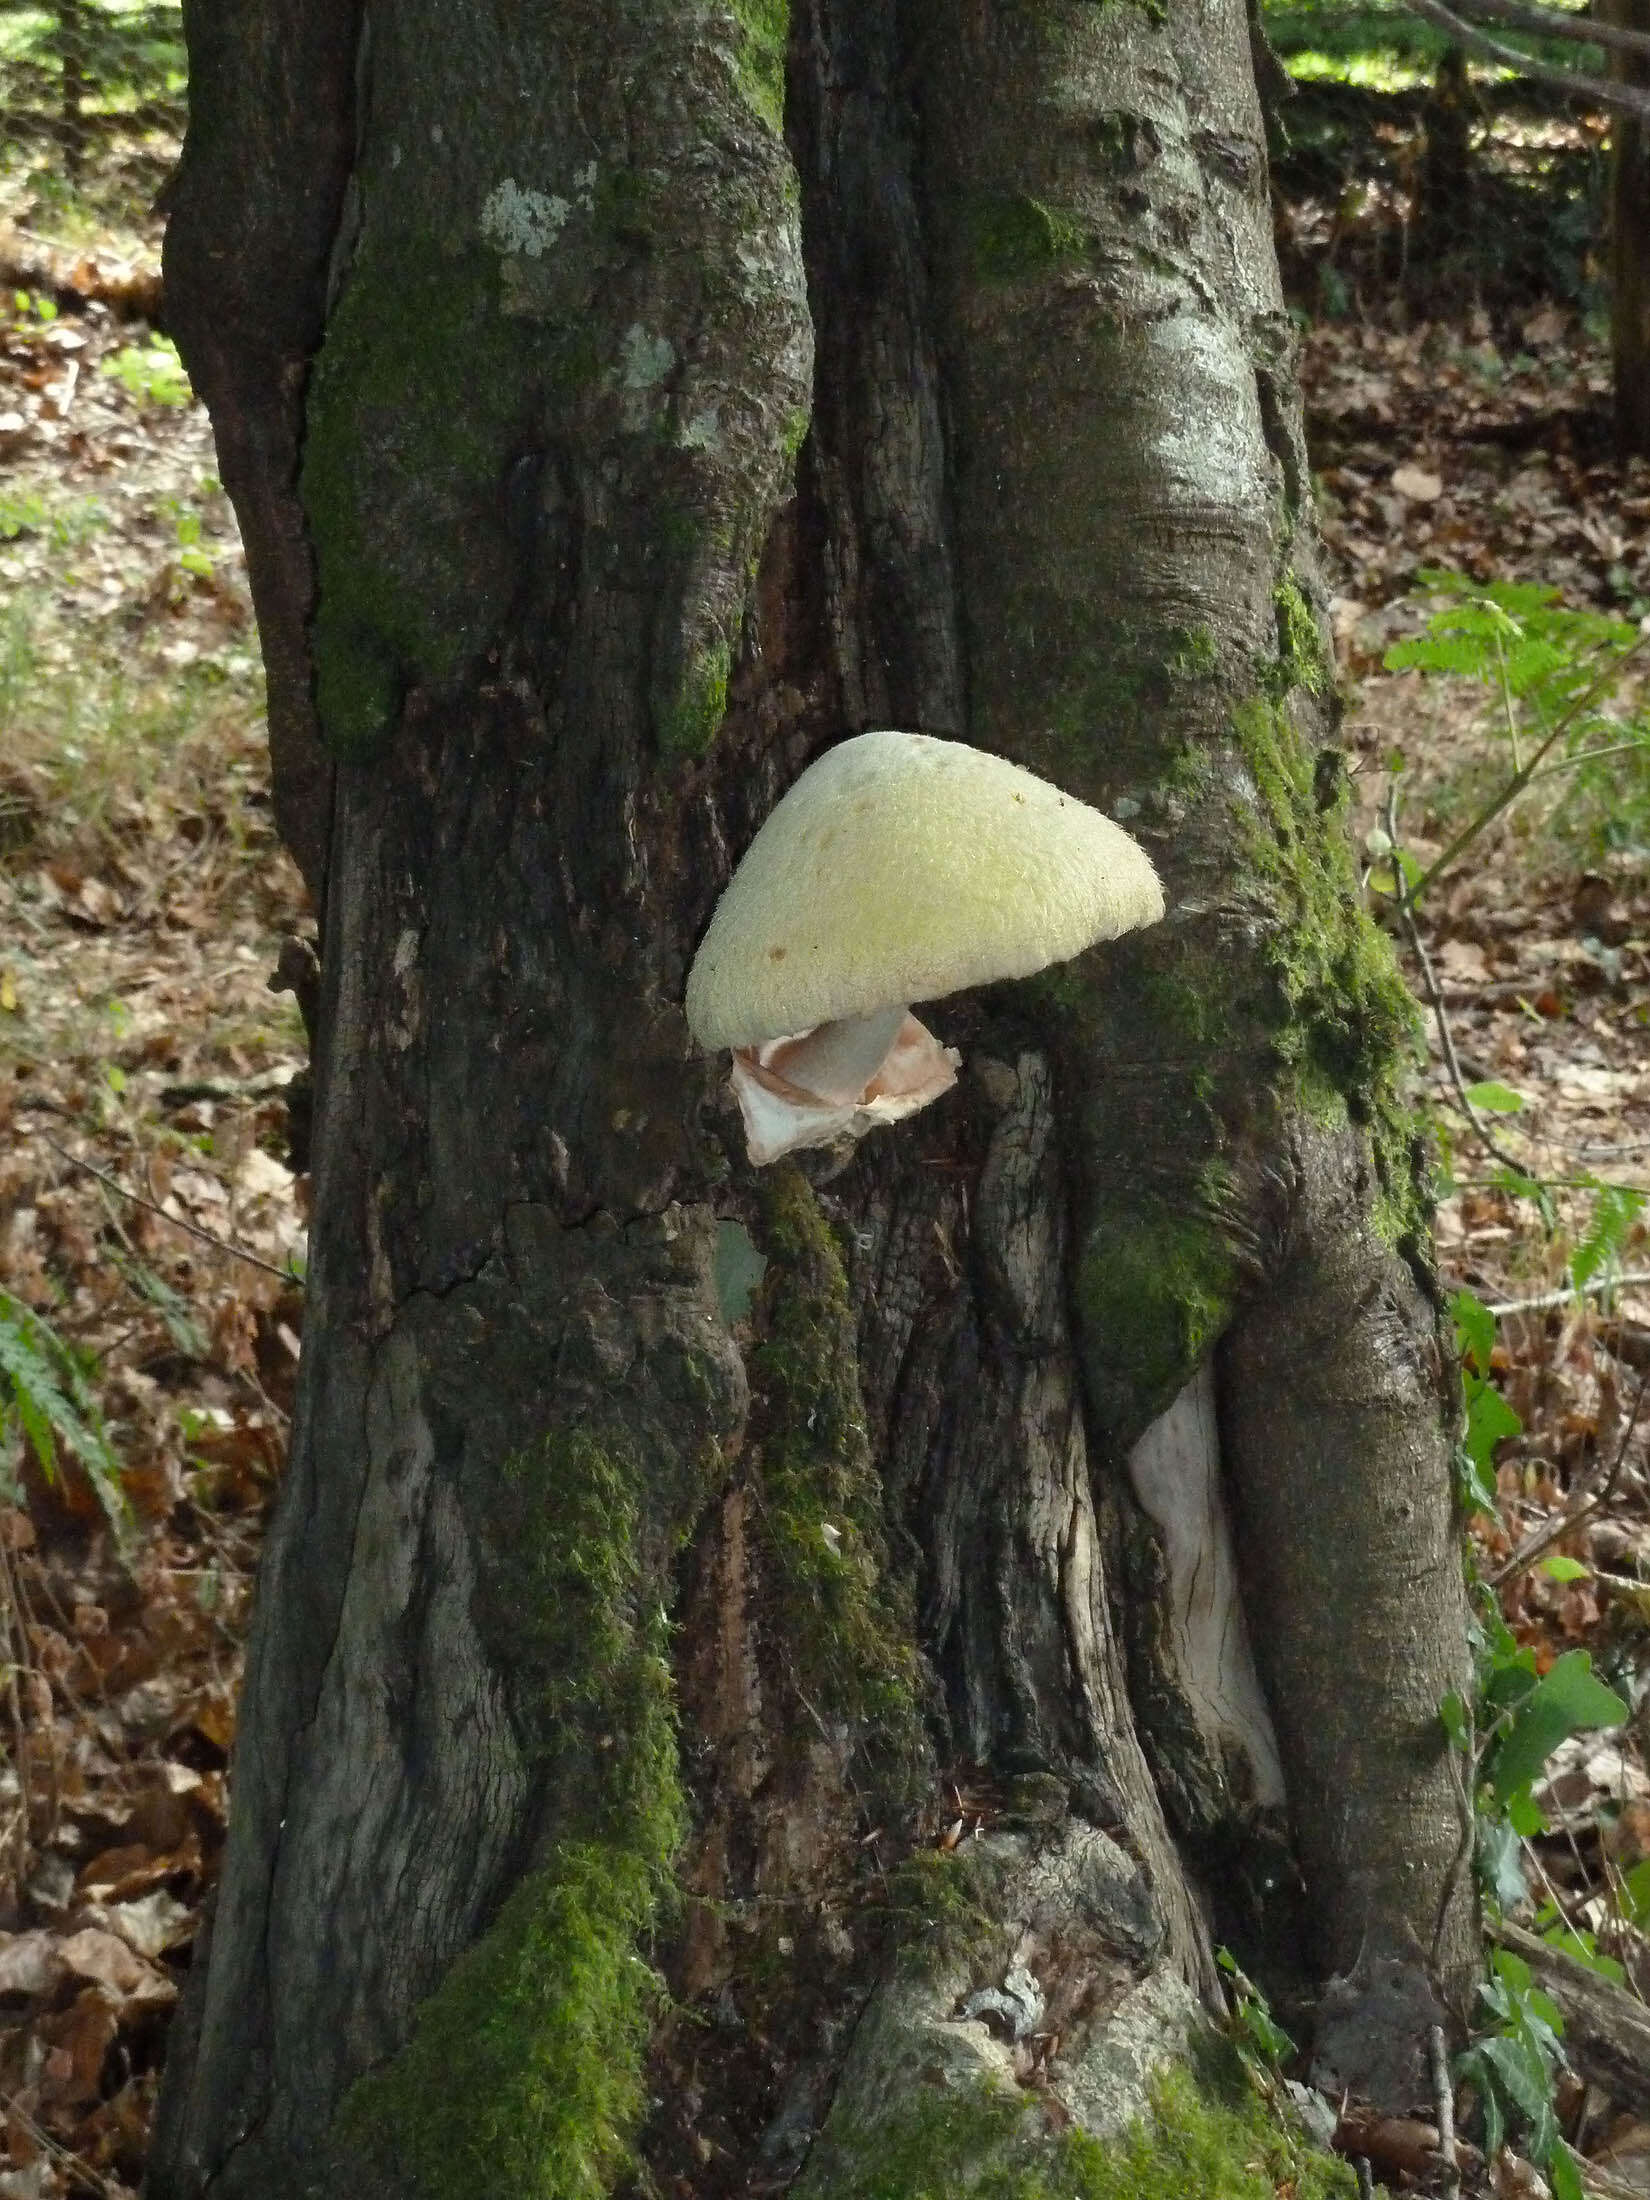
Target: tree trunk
(935, 1784)
(1630, 247)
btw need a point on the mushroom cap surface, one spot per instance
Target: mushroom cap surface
(901, 868)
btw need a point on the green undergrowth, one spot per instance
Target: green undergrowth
(523, 2075)
(845, 1622)
(1207, 2137)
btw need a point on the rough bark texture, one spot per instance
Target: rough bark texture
(543, 570)
(1630, 248)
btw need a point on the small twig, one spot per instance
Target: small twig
(1582, 30)
(1405, 897)
(1594, 1287)
(14, 1622)
(236, 1252)
(1508, 712)
(76, 2165)
(1604, 91)
(1591, 1496)
(1588, 756)
(1443, 2098)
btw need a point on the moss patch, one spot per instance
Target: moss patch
(523, 2075)
(688, 720)
(1207, 2138)
(1156, 1289)
(1351, 1032)
(765, 28)
(1303, 661)
(1009, 237)
(846, 1624)
(939, 1906)
(409, 431)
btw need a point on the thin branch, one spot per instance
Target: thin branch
(222, 1245)
(1582, 30)
(1602, 91)
(1607, 678)
(1589, 756)
(1591, 1496)
(1429, 978)
(1594, 1287)
(1443, 2096)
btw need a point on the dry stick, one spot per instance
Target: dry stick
(75, 2164)
(1443, 2096)
(1594, 1287)
(1603, 91)
(1429, 978)
(1592, 1496)
(1559, 23)
(235, 1252)
(16, 1639)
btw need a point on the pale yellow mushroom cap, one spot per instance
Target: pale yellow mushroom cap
(902, 868)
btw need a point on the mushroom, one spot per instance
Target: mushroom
(897, 868)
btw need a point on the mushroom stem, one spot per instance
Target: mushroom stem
(837, 1081)
(836, 1062)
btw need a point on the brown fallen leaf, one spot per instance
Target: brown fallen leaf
(105, 1960)
(31, 1963)
(77, 2039)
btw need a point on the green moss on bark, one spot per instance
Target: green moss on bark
(689, 719)
(523, 2074)
(1155, 1290)
(1206, 2136)
(846, 1623)
(411, 421)
(1009, 237)
(1349, 1032)
(765, 27)
(1302, 660)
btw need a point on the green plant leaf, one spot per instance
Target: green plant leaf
(1501, 1863)
(1635, 1892)
(1567, 1700)
(1474, 1329)
(1457, 1725)
(1564, 2174)
(1616, 1207)
(1494, 1098)
(1560, 1568)
(1525, 1818)
(1489, 1419)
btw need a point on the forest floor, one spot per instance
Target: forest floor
(148, 1215)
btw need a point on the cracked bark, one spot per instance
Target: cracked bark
(1052, 495)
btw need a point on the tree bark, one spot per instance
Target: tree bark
(512, 329)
